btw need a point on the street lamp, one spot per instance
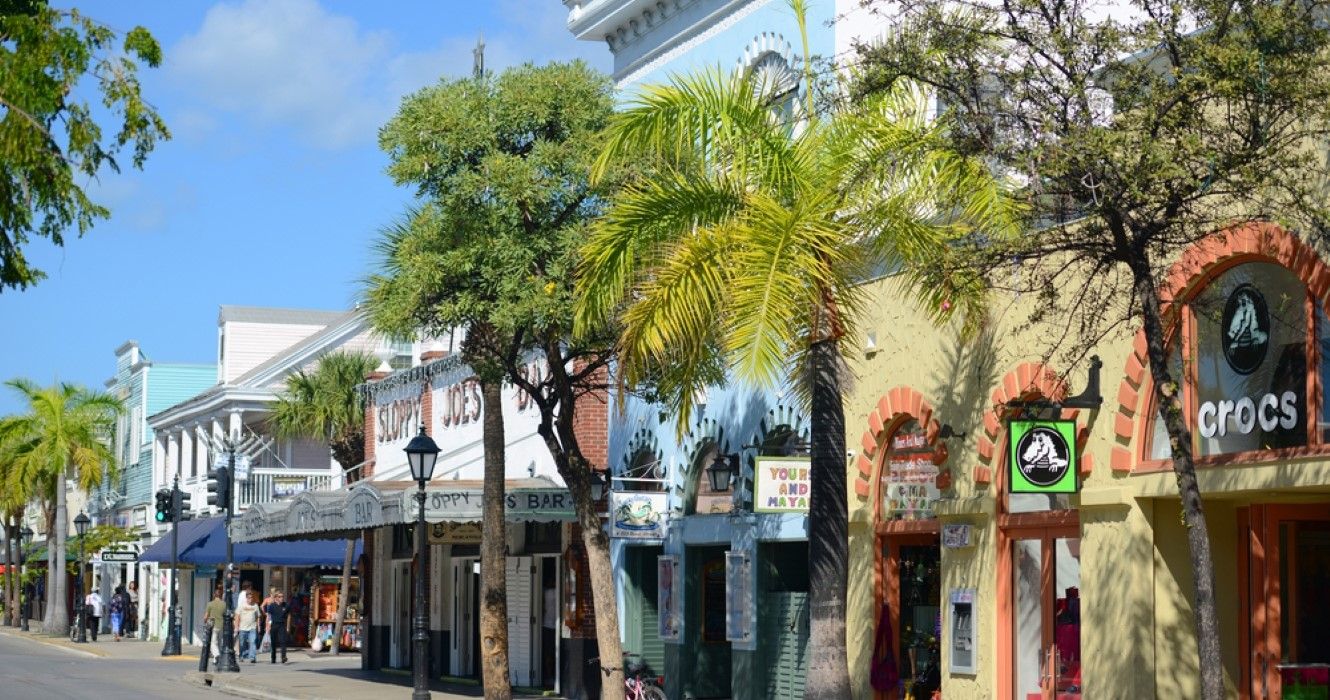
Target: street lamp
(597, 485)
(421, 453)
(81, 527)
(721, 472)
(25, 609)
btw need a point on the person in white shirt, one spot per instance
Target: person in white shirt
(93, 613)
(247, 624)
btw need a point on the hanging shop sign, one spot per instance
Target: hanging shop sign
(781, 485)
(119, 556)
(454, 533)
(638, 514)
(669, 597)
(911, 478)
(1042, 456)
(464, 505)
(957, 535)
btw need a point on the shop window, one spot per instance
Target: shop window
(920, 622)
(1245, 378)
(908, 488)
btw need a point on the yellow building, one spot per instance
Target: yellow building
(991, 593)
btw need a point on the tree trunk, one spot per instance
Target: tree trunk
(828, 528)
(342, 593)
(494, 550)
(57, 593)
(609, 646)
(1169, 391)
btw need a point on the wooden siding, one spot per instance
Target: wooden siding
(247, 345)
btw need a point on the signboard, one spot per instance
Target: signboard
(738, 585)
(957, 535)
(454, 533)
(287, 486)
(119, 557)
(781, 485)
(1042, 456)
(464, 505)
(910, 481)
(669, 597)
(638, 514)
(242, 467)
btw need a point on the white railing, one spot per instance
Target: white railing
(277, 485)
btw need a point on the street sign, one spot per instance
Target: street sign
(242, 467)
(120, 556)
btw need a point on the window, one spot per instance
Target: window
(908, 487)
(1246, 386)
(403, 356)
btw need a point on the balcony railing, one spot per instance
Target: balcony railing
(278, 485)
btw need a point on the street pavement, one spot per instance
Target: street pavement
(44, 668)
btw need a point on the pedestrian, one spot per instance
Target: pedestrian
(132, 618)
(247, 622)
(119, 606)
(278, 613)
(92, 610)
(213, 615)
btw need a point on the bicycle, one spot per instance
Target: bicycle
(638, 684)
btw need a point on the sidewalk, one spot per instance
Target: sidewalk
(308, 676)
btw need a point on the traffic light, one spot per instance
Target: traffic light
(219, 488)
(164, 505)
(180, 506)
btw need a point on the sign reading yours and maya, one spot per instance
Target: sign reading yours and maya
(1042, 456)
(781, 485)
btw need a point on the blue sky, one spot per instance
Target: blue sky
(272, 189)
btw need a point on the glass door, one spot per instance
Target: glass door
(1288, 565)
(1046, 614)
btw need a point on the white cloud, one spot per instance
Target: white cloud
(294, 63)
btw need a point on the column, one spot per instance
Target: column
(173, 456)
(187, 452)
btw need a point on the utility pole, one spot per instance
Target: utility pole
(172, 646)
(478, 58)
(226, 659)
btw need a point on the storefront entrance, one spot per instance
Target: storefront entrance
(1046, 613)
(911, 589)
(1286, 563)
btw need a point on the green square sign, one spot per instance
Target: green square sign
(1042, 456)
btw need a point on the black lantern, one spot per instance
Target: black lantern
(721, 472)
(422, 453)
(25, 536)
(597, 485)
(81, 524)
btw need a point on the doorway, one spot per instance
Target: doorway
(1046, 613)
(400, 648)
(548, 643)
(1287, 569)
(910, 587)
(466, 617)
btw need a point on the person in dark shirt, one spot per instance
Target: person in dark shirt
(278, 614)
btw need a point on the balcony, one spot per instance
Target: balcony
(266, 486)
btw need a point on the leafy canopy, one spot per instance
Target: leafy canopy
(63, 434)
(752, 229)
(50, 137)
(501, 167)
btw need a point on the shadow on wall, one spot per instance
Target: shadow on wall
(962, 384)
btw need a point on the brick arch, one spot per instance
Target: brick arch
(1031, 380)
(1198, 265)
(893, 408)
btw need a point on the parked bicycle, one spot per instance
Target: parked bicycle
(638, 683)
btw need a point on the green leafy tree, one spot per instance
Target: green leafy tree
(322, 404)
(750, 235)
(502, 168)
(50, 139)
(1139, 132)
(62, 435)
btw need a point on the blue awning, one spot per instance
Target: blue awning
(192, 532)
(210, 548)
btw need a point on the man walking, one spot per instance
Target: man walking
(212, 615)
(247, 624)
(93, 611)
(278, 613)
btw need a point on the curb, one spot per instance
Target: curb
(54, 642)
(242, 688)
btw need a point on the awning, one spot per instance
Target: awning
(208, 548)
(371, 504)
(192, 532)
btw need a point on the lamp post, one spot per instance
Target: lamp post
(421, 452)
(25, 608)
(81, 527)
(226, 659)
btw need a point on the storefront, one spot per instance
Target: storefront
(1054, 562)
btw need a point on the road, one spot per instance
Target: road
(34, 671)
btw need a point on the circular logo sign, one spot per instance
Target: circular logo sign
(1246, 329)
(1042, 456)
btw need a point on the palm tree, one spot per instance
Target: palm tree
(64, 434)
(324, 405)
(749, 238)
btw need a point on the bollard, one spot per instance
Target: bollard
(207, 648)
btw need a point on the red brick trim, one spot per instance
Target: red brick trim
(893, 408)
(1197, 266)
(1030, 380)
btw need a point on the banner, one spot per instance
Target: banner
(669, 597)
(781, 485)
(638, 514)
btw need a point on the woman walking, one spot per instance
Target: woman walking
(119, 606)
